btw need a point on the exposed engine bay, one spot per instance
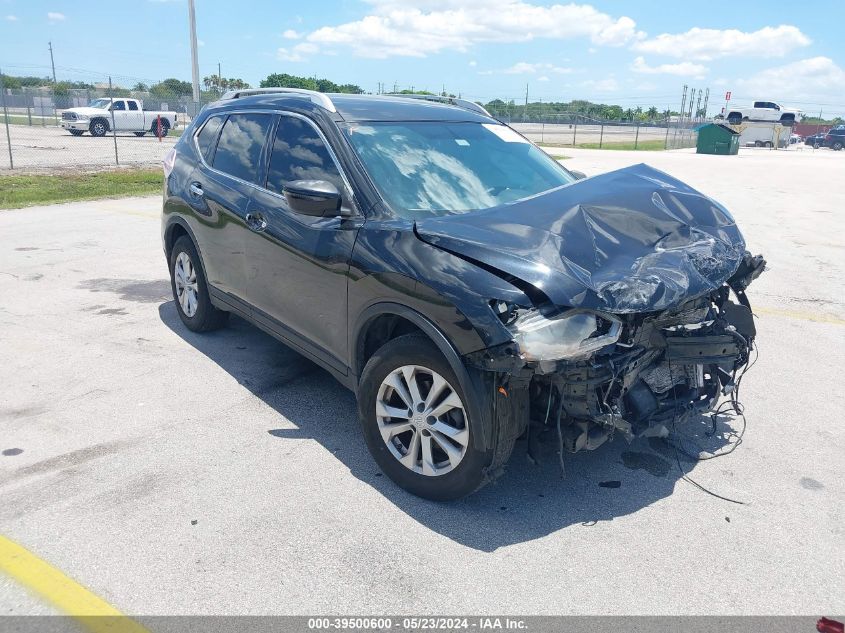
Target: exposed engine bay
(662, 366)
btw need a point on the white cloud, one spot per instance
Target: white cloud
(12, 18)
(817, 79)
(684, 69)
(707, 44)
(524, 68)
(543, 78)
(601, 85)
(394, 28)
(297, 53)
(290, 34)
(473, 63)
(54, 16)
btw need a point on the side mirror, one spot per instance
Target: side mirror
(318, 198)
(579, 175)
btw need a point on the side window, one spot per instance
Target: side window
(241, 142)
(119, 105)
(132, 105)
(300, 154)
(207, 137)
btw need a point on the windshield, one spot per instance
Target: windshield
(425, 169)
(102, 104)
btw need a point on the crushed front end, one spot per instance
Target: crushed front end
(633, 374)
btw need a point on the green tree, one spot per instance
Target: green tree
(284, 80)
(170, 88)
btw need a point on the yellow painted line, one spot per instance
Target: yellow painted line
(62, 592)
(801, 315)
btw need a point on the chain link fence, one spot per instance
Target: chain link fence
(611, 134)
(45, 131)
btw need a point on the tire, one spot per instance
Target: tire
(98, 127)
(77, 132)
(816, 146)
(768, 144)
(837, 145)
(165, 128)
(758, 143)
(459, 476)
(139, 134)
(190, 290)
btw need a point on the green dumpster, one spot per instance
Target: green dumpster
(714, 138)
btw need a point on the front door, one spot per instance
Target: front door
(297, 265)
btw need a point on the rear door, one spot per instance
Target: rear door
(134, 117)
(233, 150)
(298, 265)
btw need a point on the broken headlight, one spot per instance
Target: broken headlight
(571, 335)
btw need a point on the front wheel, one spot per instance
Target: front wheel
(139, 134)
(98, 127)
(837, 145)
(416, 422)
(77, 132)
(190, 290)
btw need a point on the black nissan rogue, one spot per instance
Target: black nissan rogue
(461, 282)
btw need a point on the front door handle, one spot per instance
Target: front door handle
(196, 190)
(256, 221)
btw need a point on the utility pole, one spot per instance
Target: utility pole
(52, 63)
(6, 119)
(525, 112)
(195, 67)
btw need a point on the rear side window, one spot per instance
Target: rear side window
(240, 146)
(119, 105)
(300, 154)
(132, 105)
(207, 138)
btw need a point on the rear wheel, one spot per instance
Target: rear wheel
(416, 423)
(162, 131)
(758, 143)
(768, 144)
(190, 290)
(139, 134)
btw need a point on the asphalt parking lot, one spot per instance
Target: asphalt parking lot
(170, 472)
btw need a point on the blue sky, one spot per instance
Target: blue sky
(631, 53)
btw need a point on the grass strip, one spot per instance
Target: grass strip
(24, 190)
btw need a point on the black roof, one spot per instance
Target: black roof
(364, 107)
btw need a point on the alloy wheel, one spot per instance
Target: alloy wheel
(185, 279)
(422, 420)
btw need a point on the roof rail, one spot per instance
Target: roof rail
(319, 98)
(461, 103)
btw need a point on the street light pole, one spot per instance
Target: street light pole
(195, 68)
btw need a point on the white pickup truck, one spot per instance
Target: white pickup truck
(764, 111)
(128, 115)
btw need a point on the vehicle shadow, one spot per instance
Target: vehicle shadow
(528, 502)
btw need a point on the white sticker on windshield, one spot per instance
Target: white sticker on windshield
(461, 141)
(504, 133)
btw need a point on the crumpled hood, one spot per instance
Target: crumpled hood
(632, 240)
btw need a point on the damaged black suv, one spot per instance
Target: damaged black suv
(454, 276)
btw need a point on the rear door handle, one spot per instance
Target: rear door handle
(256, 221)
(196, 190)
